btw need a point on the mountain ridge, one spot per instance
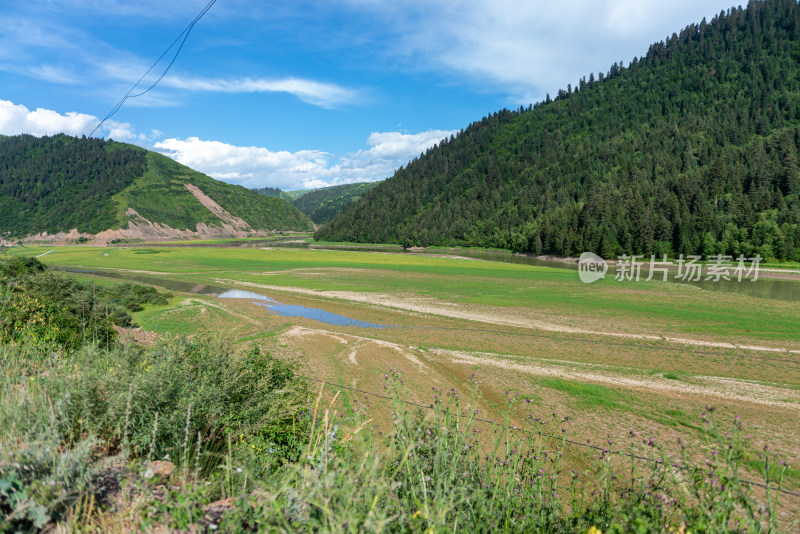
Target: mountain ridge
(66, 188)
(322, 204)
(691, 149)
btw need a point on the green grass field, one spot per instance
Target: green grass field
(616, 358)
(653, 308)
(524, 313)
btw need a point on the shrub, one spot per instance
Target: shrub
(52, 309)
(199, 385)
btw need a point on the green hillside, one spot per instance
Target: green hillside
(57, 183)
(288, 196)
(268, 191)
(322, 205)
(291, 196)
(692, 148)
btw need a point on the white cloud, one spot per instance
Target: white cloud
(304, 169)
(525, 48)
(54, 74)
(119, 130)
(18, 119)
(326, 95)
(29, 46)
(250, 166)
(397, 145)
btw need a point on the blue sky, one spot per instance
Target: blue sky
(298, 94)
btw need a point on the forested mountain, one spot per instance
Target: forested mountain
(322, 205)
(692, 148)
(55, 184)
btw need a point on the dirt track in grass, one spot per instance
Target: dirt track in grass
(701, 386)
(497, 316)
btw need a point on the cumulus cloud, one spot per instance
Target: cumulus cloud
(18, 119)
(305, 169)
(246, 165)
(397, 145)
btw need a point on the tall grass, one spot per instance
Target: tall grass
(249, 449)
(242, 427)
(439, 471)
(60, 412)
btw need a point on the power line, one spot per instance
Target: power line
(185, 35)
(567, 440)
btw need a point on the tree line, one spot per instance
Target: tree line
(58, 183)
(690, 149)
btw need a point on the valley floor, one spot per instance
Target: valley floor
(616, 358)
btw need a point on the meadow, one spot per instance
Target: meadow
(612, 359)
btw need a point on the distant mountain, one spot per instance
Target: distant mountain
(268, 191)
(78, 187)
(291, 196)
(691, 149)
(288, 196)
(321, 205)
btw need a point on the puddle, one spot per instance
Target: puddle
(241, 294)
(294, 310)
(285, 310)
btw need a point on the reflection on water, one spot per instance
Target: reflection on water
(293, 310)
(289, 310)
(284, 310)
(241, 294)
(765, 288)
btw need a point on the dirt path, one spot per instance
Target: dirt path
(701, 386)
(218, 306)
(432, 307)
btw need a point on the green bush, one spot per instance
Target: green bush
(59, 414)
(191, 386)
(55, 310)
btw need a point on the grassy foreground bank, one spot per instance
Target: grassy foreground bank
(196, 434)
